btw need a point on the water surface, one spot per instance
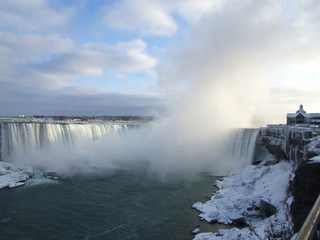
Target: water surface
(121, 205)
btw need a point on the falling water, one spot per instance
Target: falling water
(242, 146)
(19, 138)
(62, 145)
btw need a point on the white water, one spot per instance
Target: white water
(81, 146)
(242, 146)
(21, 139)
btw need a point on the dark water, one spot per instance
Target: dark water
(122, 205)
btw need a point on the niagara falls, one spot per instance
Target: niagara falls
(158, 119)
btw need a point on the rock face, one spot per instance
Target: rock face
(298, 144)
(266, 209)
(306, 188)
(286, 142)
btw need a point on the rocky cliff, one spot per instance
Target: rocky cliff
(299, 144)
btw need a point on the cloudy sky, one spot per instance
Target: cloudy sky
(140, 57)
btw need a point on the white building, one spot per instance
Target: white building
(302, 117)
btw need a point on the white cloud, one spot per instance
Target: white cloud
(154, 17)
(127, 57)
(31, 15)
(146, 17)
(18, 48)
(36, 72)
(151, 74)
(192, 10)
(51, 62)
(75, 101)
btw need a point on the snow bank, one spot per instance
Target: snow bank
(314, 145)
(238, 200)
(13, 176)
(315, 159)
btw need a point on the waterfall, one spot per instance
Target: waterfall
(79, 146)
(21, 138)
(242, 146)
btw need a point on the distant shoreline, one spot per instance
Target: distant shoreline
(88, 118)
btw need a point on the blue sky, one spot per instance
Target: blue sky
(141, 57)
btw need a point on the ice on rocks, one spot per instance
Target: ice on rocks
(238, 200)
(196, 231)
(13, 176)
(49, 174)
(315, 159)
(224, 234)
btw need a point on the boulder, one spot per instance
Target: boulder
(266, 209)
(50, 174)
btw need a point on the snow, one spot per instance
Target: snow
(238, 199)
(196, 231)
(39, 178)
(315, 159)
(314, 145)
(12, 175)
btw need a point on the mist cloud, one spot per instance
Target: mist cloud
(226, 65)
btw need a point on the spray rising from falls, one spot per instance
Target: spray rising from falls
(75, 147)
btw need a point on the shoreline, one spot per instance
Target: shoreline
(239, 201)
(261, 195)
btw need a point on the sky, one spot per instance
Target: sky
(248, 60)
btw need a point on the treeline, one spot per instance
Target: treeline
(103, 118)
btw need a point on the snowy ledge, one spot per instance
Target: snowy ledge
(12, 175)
(240, 198)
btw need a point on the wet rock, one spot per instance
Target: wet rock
(50, 174)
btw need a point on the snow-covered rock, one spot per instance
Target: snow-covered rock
(50, 174)
(196, 231)
(12, 175)
(239, 197)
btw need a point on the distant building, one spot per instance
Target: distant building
(302, 117)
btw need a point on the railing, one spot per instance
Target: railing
(309, 227)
